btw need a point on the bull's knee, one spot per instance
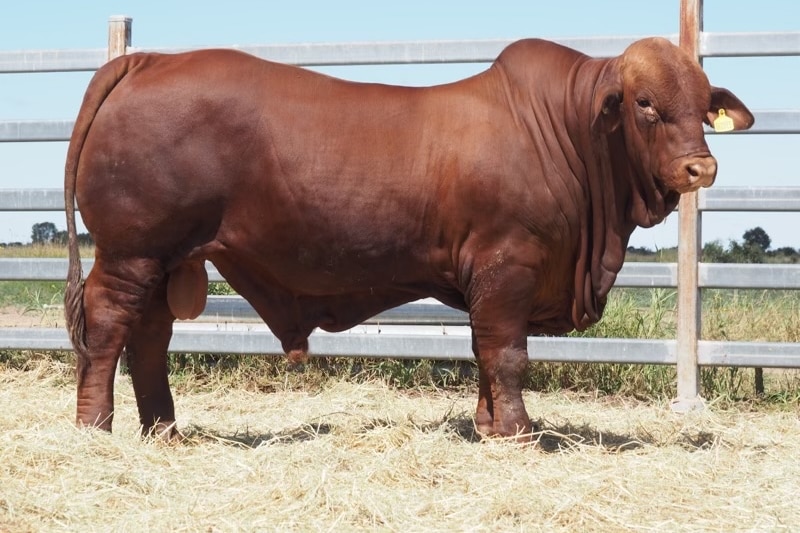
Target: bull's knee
(187, 290)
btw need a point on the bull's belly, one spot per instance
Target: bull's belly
(339, 275)
(295, 295)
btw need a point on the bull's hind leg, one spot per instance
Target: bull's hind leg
(147, 364)
(115, 295)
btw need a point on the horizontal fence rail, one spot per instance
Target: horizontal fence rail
(428, 329)
(16, 62)
(251, 339)
(35, 130)
(714, 199)
(258, 340)
(767, 122)
(749, 199)
(411, 52)
(754, 44)
(395, 53)
(641, 275)
(408, 52)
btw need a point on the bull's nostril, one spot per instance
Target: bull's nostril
(692, 173)
(701, 171)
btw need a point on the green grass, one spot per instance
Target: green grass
(30, 294)
(35, 294)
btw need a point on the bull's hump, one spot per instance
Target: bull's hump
(538, 56)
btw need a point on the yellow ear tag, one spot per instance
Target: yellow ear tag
(723, 122)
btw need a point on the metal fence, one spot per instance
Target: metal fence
(427, 329)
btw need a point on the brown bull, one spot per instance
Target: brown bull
(510, 194)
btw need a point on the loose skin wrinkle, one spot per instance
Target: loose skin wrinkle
(510, 194)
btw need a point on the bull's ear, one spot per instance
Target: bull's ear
(734, 108)
(606, 114)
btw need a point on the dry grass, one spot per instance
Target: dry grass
(369, 457)
(44, 250)
(752, 315)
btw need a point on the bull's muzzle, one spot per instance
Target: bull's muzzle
(700, 172)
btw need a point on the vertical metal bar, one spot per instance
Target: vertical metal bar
(688, 396)
(119, 35)
(119, 39)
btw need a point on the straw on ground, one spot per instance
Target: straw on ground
(370, 457)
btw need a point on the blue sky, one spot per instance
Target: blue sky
(763, 83)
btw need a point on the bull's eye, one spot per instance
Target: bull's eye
(646, 107)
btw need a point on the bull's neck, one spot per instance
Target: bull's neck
(553, 103)
(606, 156)
(607, 181)
(558, 96)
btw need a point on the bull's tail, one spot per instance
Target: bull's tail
(99, 88)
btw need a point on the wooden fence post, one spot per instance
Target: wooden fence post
(119, 35)
(119, 39)
(689, 242)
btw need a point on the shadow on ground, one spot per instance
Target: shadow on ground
(246, 439)
(562, 437)
(547, 437)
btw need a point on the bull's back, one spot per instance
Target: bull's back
(219, 145)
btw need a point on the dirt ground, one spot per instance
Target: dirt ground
(20, 317)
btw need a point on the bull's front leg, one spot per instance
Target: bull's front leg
(498, 317)
(501, 411)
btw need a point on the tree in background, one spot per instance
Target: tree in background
(745, 253)
(714, 252)
(43, 233)
(754, 248)
(757, 238)
(47, 233)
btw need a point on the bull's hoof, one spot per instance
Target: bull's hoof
(98, 424)
(163, 431)
(296, 360)
(90, 427)
(525, 434)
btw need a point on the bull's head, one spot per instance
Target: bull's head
(660, 97)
